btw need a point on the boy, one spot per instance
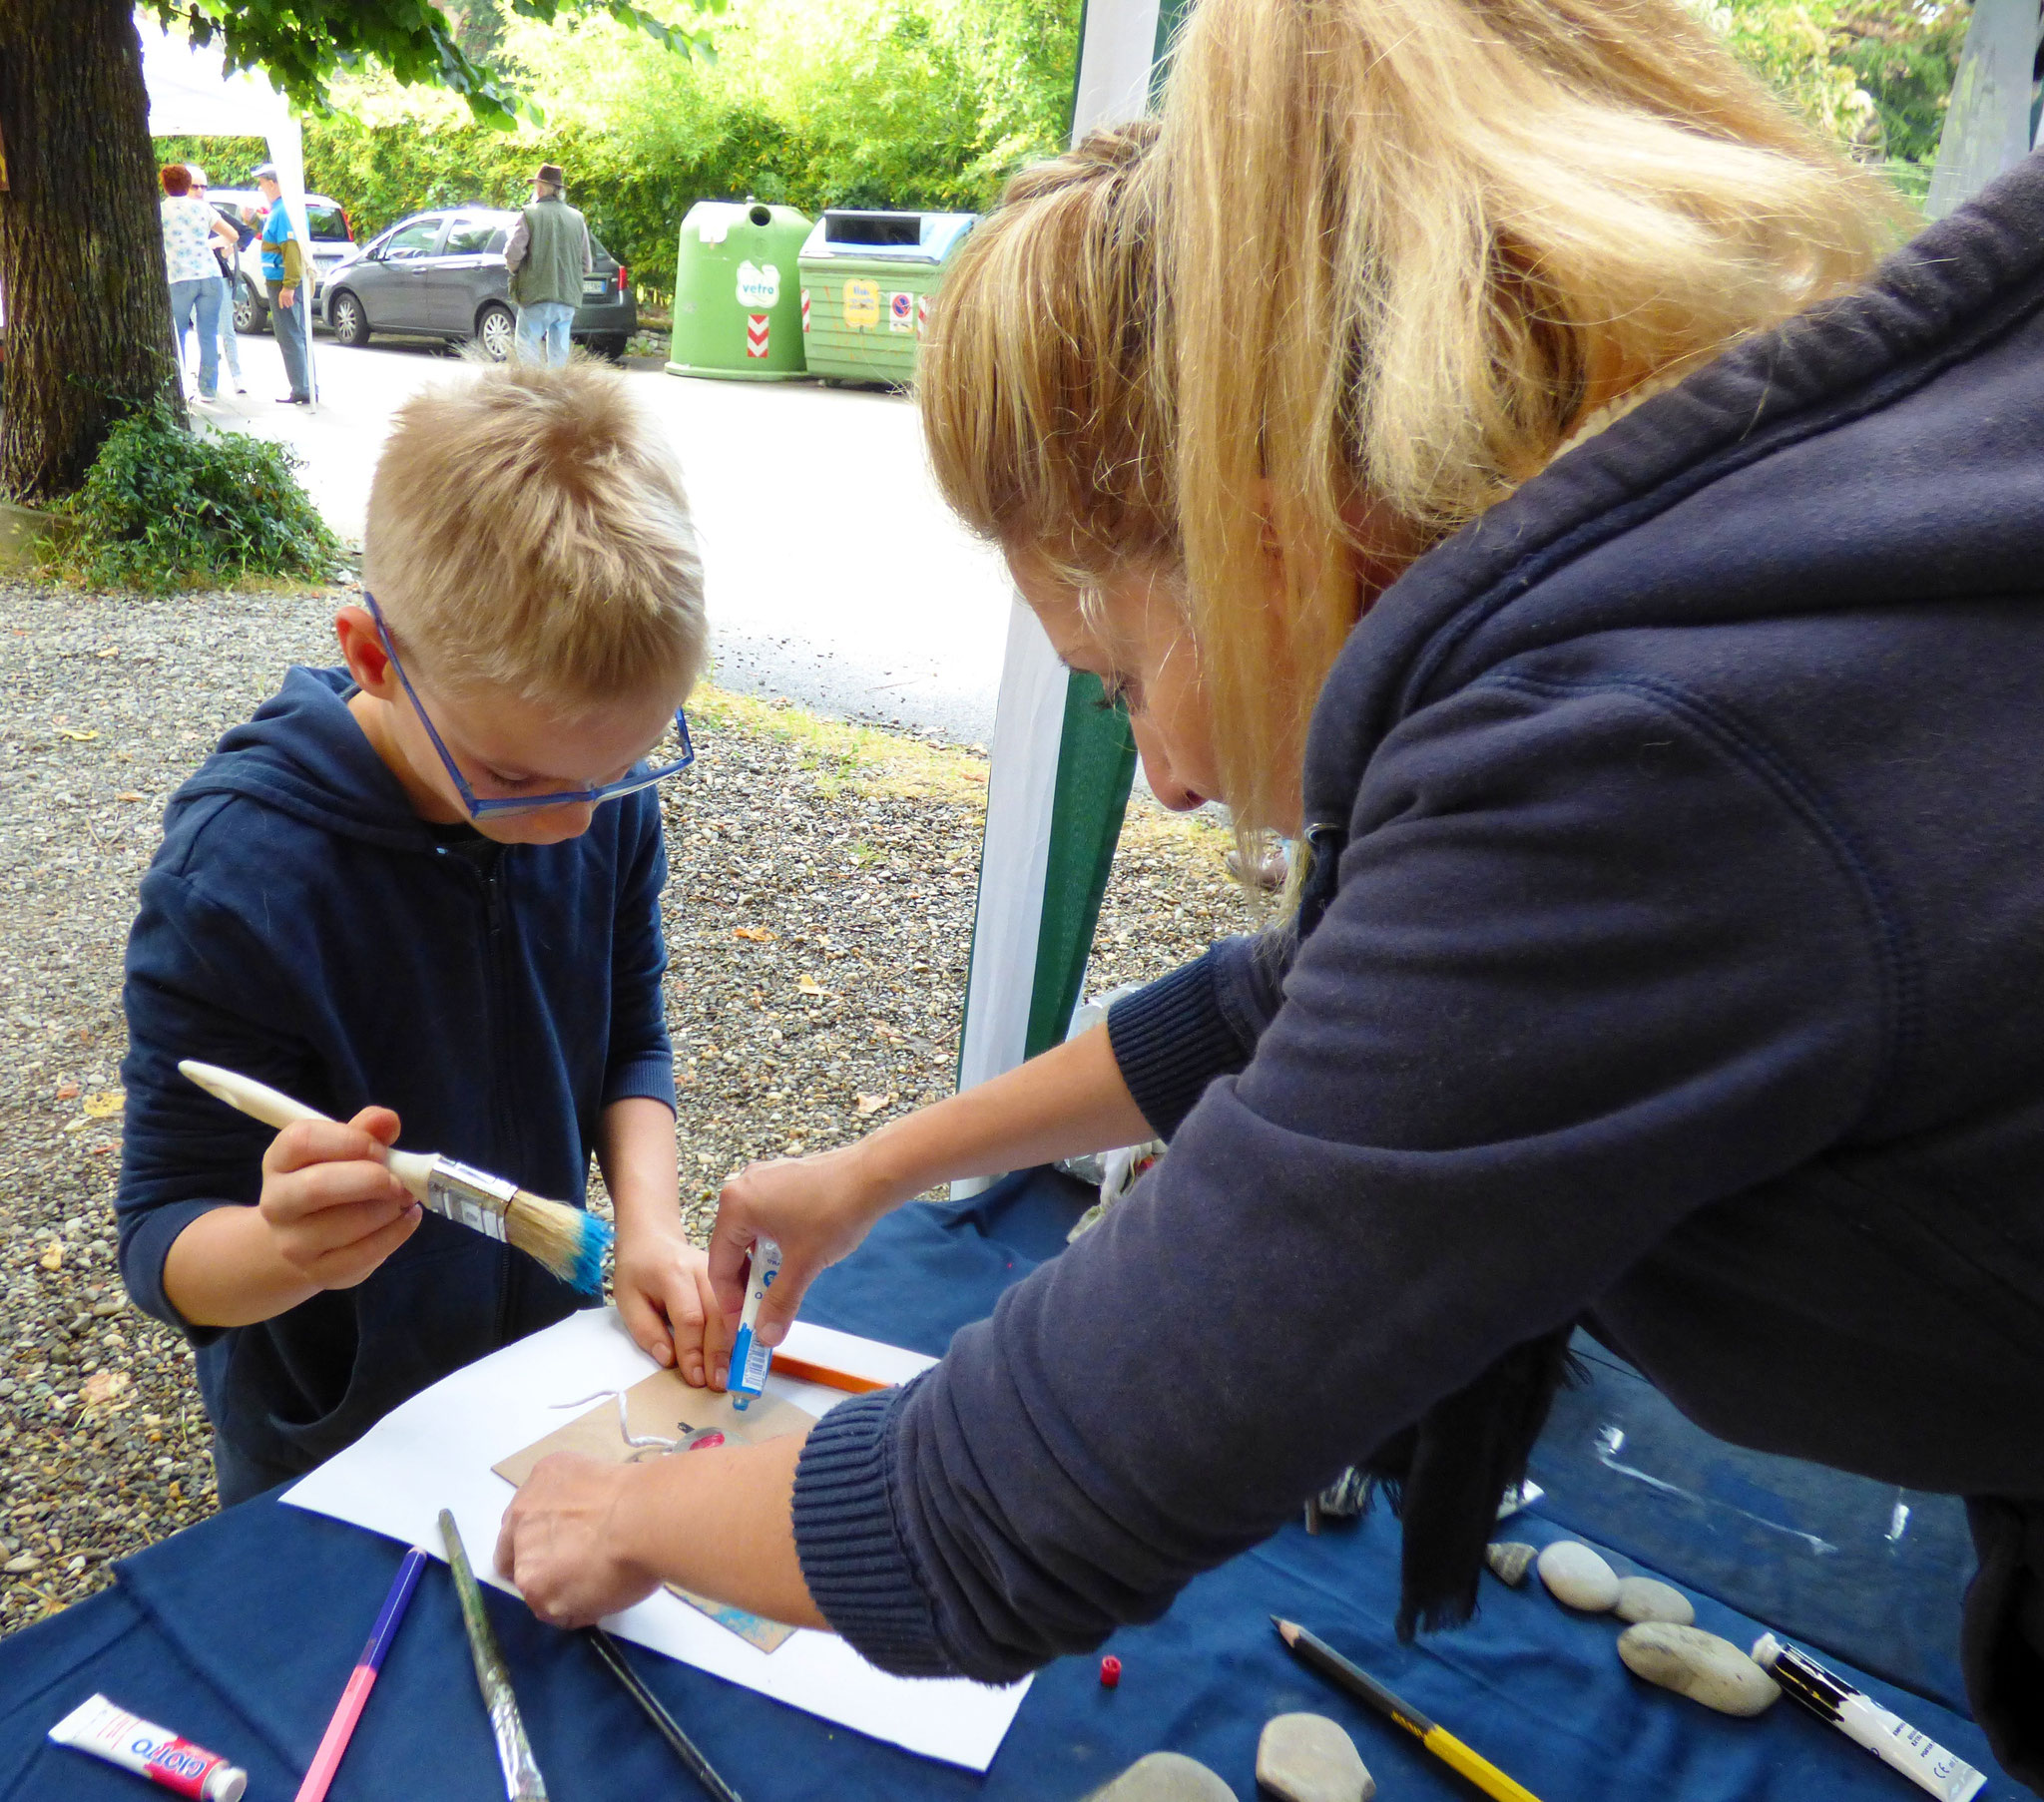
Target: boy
(397, 884)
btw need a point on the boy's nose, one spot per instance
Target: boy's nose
(569, 820)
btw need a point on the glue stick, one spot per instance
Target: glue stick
(112, 1734)
(1867, 1723)
(749, 1360)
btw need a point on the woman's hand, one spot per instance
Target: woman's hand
(562, 1546)
(817, 1209)
(662, 1287)
(582, 1538)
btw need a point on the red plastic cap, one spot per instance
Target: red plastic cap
(1110, 1671)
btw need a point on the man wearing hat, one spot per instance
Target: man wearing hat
(548, 255)
(283, 274)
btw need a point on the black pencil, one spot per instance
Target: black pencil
(699, 1767)
(1308, 1650)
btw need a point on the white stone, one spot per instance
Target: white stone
(1309, 1758)
(1166, 1777)
(1698, 1665)
(1509, 1561)
(1647, 1599)
(1576, 1576)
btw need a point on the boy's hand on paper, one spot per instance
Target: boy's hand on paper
(662, 1286)
(817, 1209)
(333, 1211)
(560, 1542)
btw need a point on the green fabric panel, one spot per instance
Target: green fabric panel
(1170, 15)
(1096, 767)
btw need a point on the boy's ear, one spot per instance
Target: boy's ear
(361, 648)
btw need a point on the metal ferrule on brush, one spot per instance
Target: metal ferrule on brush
(469, 1197)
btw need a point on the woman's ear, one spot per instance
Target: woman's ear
(363, 651)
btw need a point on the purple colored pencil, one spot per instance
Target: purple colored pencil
(349, 1709)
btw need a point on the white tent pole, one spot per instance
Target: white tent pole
(1117, 43)
(1987, 122)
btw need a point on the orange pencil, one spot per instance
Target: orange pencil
(805, 1372)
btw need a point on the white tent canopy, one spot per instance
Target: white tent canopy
(190, 95)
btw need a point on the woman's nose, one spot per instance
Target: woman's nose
(1157, 769)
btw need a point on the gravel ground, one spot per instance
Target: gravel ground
(796, 1025)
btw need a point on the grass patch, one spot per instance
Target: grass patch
(869, 760)
(859, 758)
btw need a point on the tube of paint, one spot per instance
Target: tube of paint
(112, 1734)
(1865, 1722)
(749, 1360)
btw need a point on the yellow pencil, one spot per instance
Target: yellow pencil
(1434, 1737)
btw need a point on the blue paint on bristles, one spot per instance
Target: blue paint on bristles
(594, 1247)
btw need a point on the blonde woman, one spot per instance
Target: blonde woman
(1474, 436)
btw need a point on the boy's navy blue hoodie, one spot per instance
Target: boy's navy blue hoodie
(303, 925)
(1682, 966)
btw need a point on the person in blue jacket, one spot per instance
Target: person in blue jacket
(1478, 438)
(425, 887)
(289, 285)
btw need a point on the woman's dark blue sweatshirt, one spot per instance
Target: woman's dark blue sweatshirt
(303, 925)
(1684, 968)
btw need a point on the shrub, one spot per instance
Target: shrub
(166, 508)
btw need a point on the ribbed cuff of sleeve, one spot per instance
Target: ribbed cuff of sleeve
(1171, 1039)
(144, 1252)
(850, 1543)
(651, 1074)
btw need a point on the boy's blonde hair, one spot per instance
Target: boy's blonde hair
(1392, 251)
(528, 531)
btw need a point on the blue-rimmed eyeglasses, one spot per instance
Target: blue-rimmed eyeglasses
(641, 775)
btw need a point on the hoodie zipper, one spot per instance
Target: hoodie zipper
(496, 1008)
(496, 910)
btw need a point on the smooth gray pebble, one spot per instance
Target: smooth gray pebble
(1700, 1665)
(1642, 1599)
(1164, 1777)
(1310, 1758)
(1575, 1575)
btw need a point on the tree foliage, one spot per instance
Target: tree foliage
(299, 44)
(1875, 74)
(904, 103)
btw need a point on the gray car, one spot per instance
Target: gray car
(441, 276)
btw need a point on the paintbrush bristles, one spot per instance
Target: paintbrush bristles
(570, 1241)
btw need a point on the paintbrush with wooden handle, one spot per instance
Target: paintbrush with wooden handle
(570, 1241)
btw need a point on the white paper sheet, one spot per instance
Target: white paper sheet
(437, 1451)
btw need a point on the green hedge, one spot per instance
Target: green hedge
(167, 508)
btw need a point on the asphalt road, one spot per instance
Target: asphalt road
(836, 576)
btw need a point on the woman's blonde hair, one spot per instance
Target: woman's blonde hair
(1036, 379)
(1383, 258)
(1403, 247)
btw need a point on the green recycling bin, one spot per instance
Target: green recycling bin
(868, 278)
(738, 305)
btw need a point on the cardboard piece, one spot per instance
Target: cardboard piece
(437, 1451)
(664, 1406)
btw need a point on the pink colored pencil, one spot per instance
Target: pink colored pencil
(349, 1709)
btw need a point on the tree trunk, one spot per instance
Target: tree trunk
(80, 244)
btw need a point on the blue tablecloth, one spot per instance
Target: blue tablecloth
(241, 1631)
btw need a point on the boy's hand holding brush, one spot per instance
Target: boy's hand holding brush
(337, 1199)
